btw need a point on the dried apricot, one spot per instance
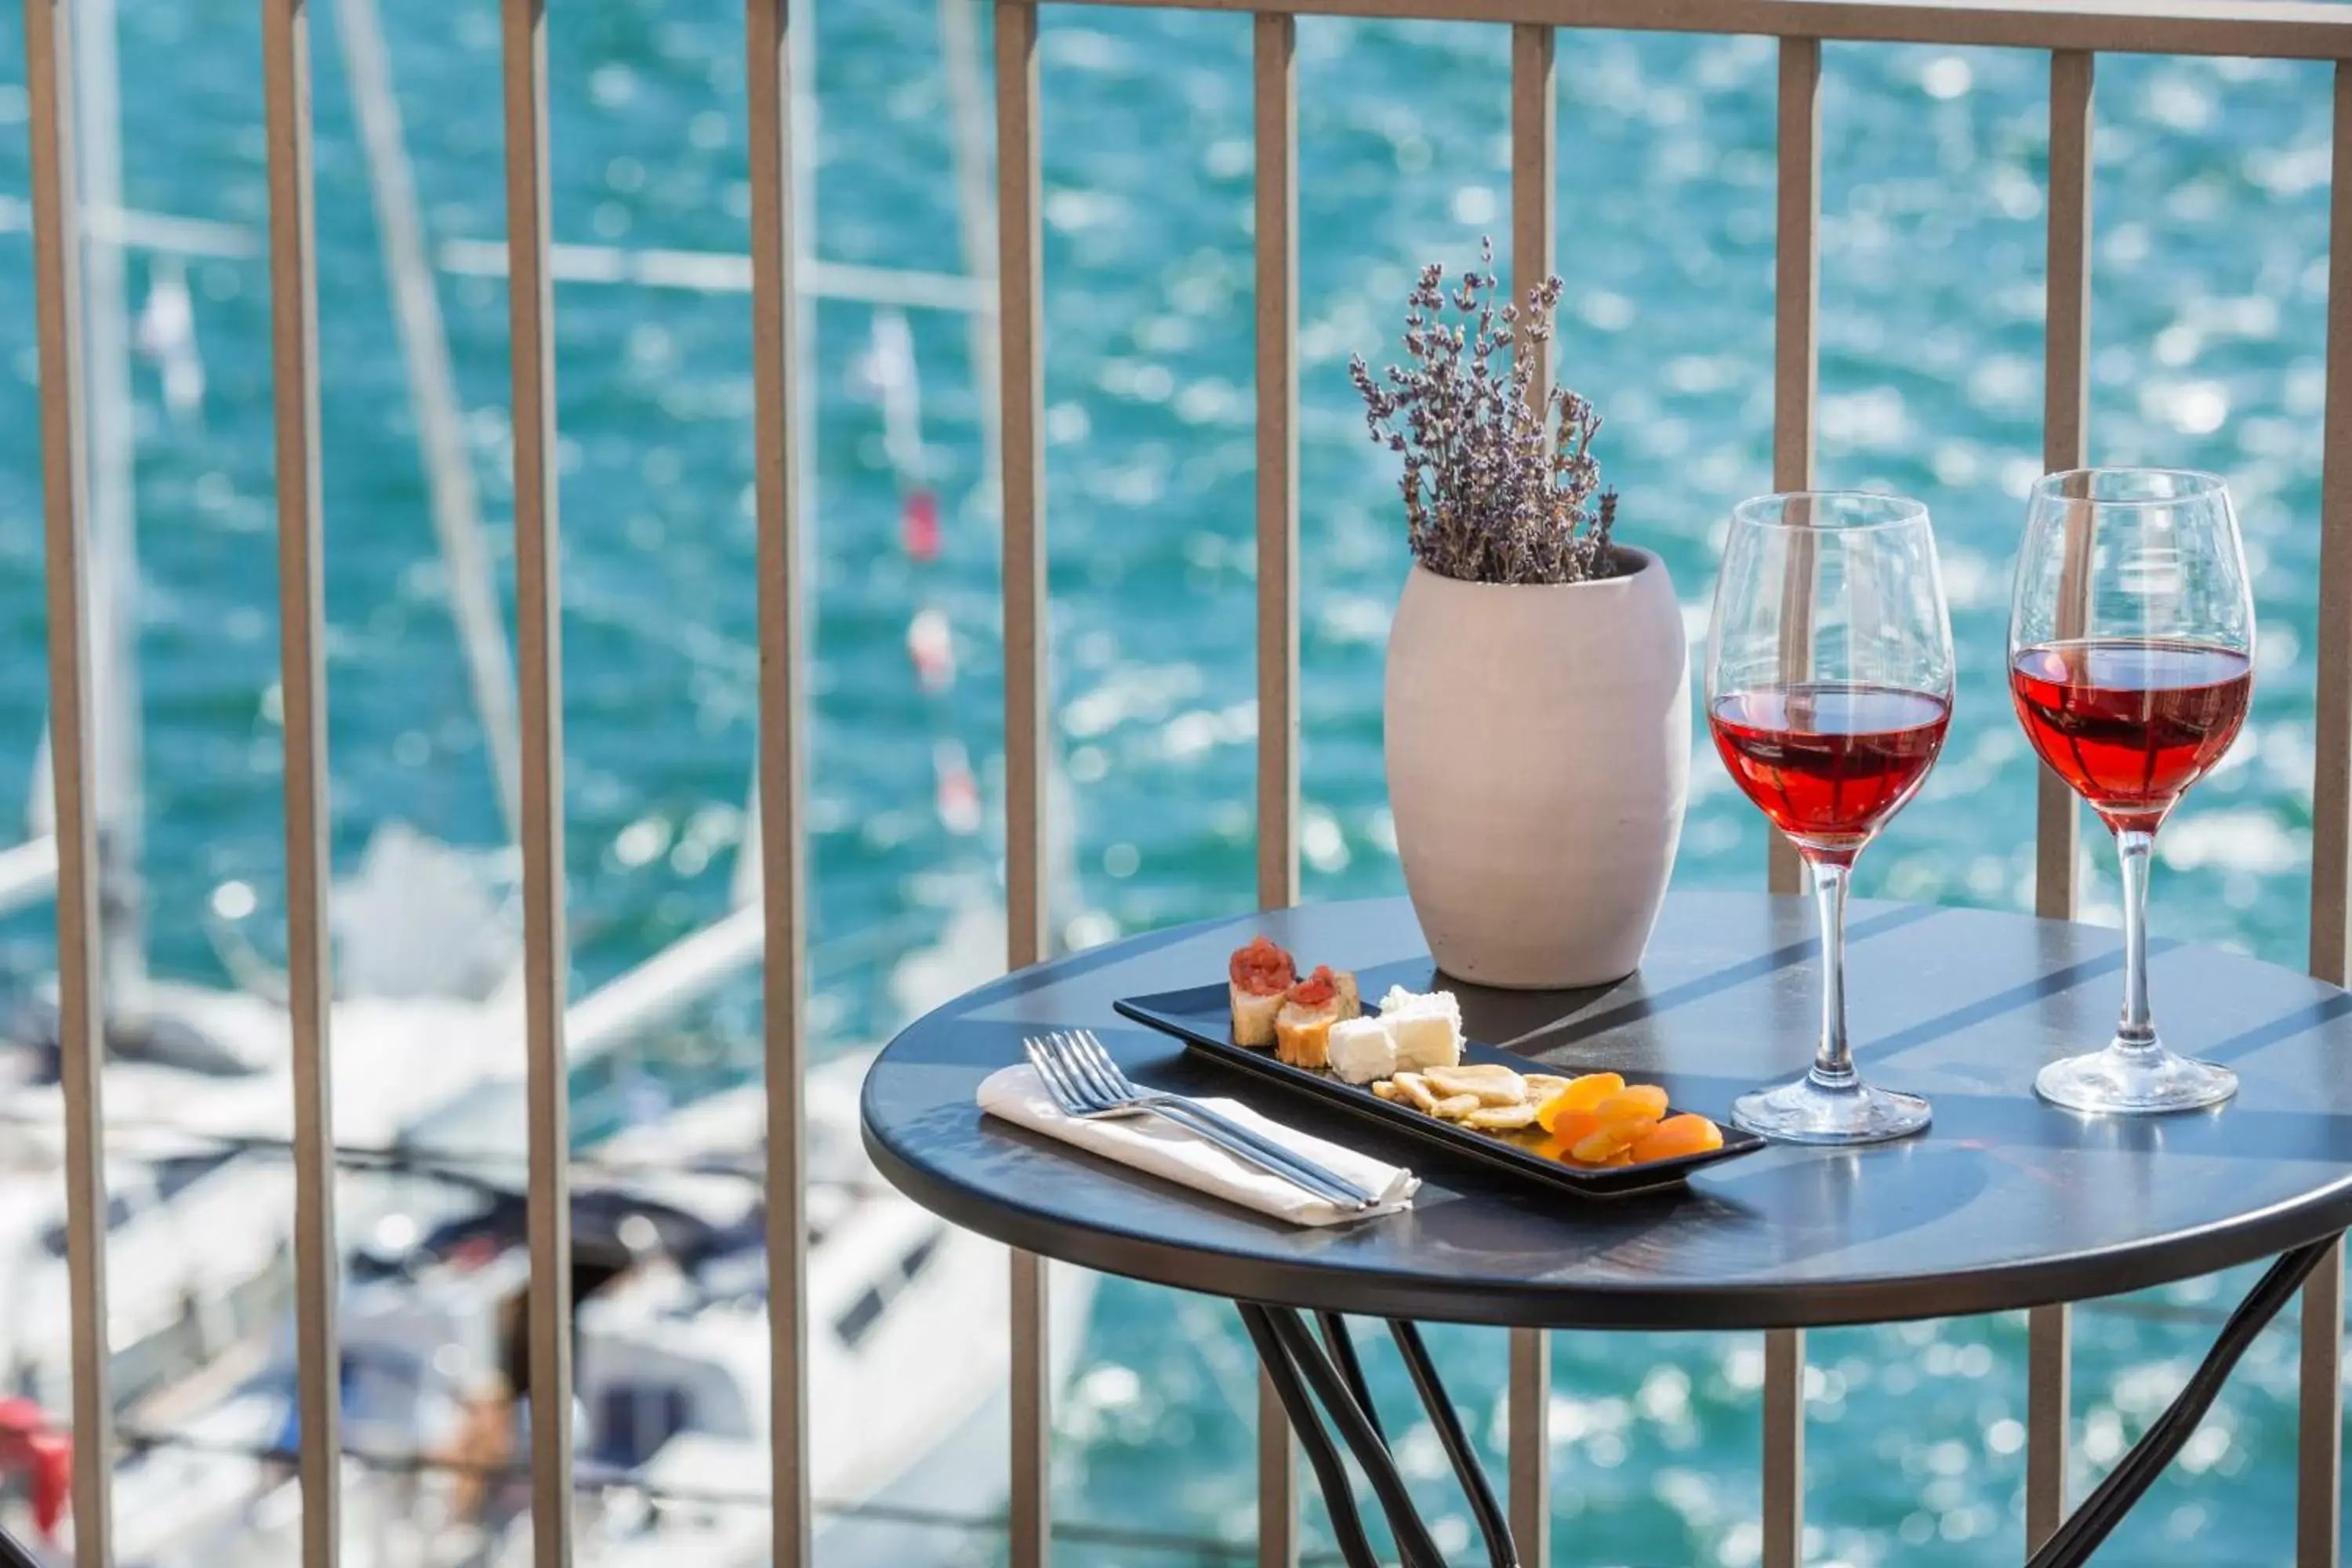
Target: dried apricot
(1612, 1138)
(1683, 1134)
(1581, 1094)
(1643, 1101)
(1568, 1129)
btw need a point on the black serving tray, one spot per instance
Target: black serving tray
(1202, 1017)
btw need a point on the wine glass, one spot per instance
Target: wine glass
(1829, 687)
(2131, 644)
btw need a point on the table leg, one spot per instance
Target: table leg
(1356, 1429)
(1298, 1365)
(2104, 1508)
(1493, 1523)
(1304, 1371)
(1343, 1346)
(1330, 1470)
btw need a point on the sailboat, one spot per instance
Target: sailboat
(672, 1416)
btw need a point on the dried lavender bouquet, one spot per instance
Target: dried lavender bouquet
(1496, 489)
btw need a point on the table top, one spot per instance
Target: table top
(2004, 1202)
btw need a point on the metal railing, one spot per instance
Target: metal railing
(2071, 33)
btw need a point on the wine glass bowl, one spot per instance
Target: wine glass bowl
(2130, 724)
(1829, 689)
(1830, 763)
(2131, 664)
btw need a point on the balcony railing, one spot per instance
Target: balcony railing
(2071, 35)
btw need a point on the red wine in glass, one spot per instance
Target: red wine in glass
(1829, 687)
(2131, 722)
(2131, 637)
(1830, 762)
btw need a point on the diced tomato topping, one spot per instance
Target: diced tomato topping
(1262, 969)
(1315, 989)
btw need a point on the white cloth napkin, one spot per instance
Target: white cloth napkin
(1156, 1144)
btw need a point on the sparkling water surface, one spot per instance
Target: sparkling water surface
(2211, 257)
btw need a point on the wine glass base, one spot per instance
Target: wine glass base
(2146, 1081)
(1806, 1112)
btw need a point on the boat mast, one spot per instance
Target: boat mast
(115, 741)
(433, 389)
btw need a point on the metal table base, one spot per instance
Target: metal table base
(1308, 1373)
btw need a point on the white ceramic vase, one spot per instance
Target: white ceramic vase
(1538, 758)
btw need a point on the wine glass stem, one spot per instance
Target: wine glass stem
(1832, 1060)
(2135, 847)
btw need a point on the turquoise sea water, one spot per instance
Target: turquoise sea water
(2211, 257)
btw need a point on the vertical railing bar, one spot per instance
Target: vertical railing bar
(2319, 1453)
(1795, 300)
(2319, 1494)
(302, 682)
(1535, 138)
(2331, 864)
(2065, 405)
(1530, 1444)
(1029, 1518)
(57, 256)
(1276, 96)
(1275, 92)
(531, 305)
(2049, 1403)
(1796, 295)
(1277, 1481)
(1020, 322)
(768, 45)
(1784, 1449)
(2066, 427)
(1020, 317)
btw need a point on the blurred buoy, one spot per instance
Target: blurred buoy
(931, 644)
(958, 793)
(32, 1447)
(167, 333)
(918, 525)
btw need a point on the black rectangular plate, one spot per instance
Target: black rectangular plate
(1201, 1017)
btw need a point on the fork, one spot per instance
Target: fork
(1079, 1095)
(1091, 1054)
(1095, 1080)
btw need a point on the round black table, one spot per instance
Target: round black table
(2004, 1202)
